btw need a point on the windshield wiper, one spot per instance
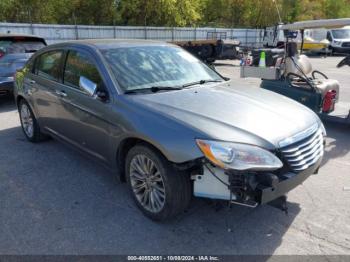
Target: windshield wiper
(201, 82)
(153, 89)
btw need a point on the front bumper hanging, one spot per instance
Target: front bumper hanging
(249, 189)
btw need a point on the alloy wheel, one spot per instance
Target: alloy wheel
(147, 183)
(27, 120)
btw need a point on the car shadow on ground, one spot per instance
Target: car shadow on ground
(226, 64)
(337, 142)
(7, 103)
(57, 201)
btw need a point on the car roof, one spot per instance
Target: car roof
(20, 35)
(113, 43)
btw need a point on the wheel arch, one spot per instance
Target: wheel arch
(124, 146)
(19, 98)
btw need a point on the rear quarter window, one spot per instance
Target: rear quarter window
(4, 45)
(21, 45)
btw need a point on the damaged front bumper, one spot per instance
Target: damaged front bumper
(249, 188)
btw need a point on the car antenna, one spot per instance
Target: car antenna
(278, 11)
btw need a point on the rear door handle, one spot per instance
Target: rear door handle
(61, 93)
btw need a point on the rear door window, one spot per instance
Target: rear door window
(4, 44)
(20, 45)
(48, 65)
(80, 64)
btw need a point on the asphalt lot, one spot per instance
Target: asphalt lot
(55, 201)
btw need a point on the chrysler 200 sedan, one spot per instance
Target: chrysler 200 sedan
(169, 125)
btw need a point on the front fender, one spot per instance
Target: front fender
(173, 139)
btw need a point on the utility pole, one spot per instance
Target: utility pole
(30, 21)
(76, 26)
(145, 17)
(117, 2)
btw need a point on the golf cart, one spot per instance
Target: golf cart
(313, 41)
(289, 72)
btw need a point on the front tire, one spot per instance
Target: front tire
(158, 189)
(29, 123)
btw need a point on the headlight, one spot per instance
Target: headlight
(337, 42)
(237, 156)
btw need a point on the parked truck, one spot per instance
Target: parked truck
(215, 47)
(339, 40)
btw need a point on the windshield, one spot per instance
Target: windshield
(341, 33)
(150, 66)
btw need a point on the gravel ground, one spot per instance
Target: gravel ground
(55, 201)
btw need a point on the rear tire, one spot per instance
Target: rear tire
(29, 123)
(159, 190)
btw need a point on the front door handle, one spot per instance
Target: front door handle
(32, 82)
(61, 93)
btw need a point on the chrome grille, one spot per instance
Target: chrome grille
(304, 153)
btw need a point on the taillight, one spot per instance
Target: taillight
(1, 54)
(329, 101)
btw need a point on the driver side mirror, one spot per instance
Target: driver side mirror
(87, 85)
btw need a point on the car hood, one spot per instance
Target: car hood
(225, 112)
(342, 39)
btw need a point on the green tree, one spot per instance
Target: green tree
(160, 12)
(216, 13)
(26, 11)
(336, 8)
